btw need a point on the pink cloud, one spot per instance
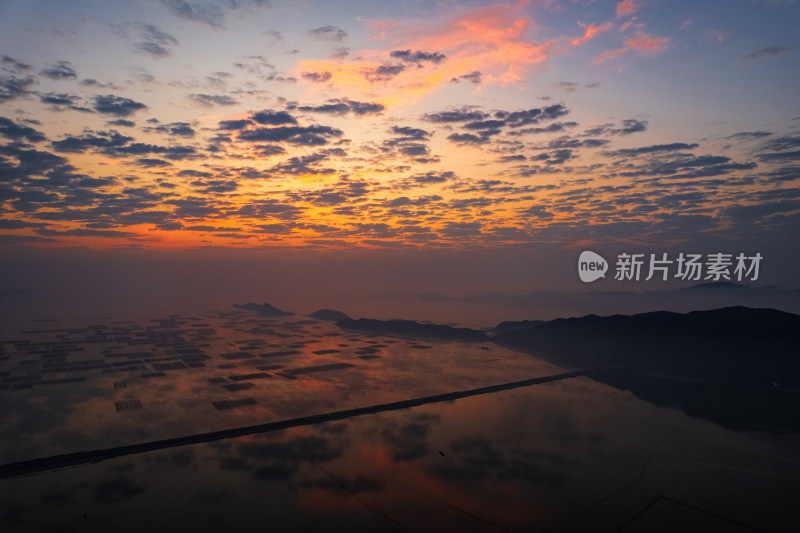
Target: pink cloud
(489, 40)
(625, 8)
(646, 45)
(591, 31)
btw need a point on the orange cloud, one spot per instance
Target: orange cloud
(626, 7)
(490, 41)
(591, 31)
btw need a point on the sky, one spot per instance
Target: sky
(407, 145)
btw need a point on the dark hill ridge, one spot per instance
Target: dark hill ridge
(263, 309)
(328, 314)
(734, 343)
(409, 328)
(735, 366)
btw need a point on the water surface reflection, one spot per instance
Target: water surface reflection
(573, 455)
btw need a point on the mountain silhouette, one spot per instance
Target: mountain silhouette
(409, 328)
(263, 309)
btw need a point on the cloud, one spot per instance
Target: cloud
(627, 127)
(211, 100)
(316, 77)
(647, 45)
(417, 57)
(344, 106)
(102, 139)
(60, 70)
(151, 41)
(591, 32)
(626, 7)
(116, 105)
(273, 118)
(209, 14)
(61, 100)
(768, 52)
(308, 136)
(10, 63)
(656, 148)
(328, 33)
(179, 129)
(11, 130)
(475, 78)
(491, 41)
(459, 115)
(237, 124)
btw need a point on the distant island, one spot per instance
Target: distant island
(410, 328)
(330, 315)
(264, 309)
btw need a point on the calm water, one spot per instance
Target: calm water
(569, 455)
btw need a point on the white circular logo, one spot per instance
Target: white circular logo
(591, 266)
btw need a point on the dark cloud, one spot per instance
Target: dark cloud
(101, 139)
(384, 72)
(632, 126)
(116, 105)
(316, 77)
(215, 186)
(194, 174)
(627, 127)
(570, 142)
(769, 51)
(656, 148)
(749, 135)
(239, 124)
(91, 82)
(60, 70)
(413, 149)
(174, 153)
(270, 149)
(780, 149)
(12, 87)
(550, 128)
(343, 106)
(12, 130)
(511, 158)
(517, 119)
(467, 138)
(484, 124)
(434, 177)
(178, 129)
(309, 136)
(273, 118)
(683, 165)
(210, 14)
(461, 229)
(152, 162)
(193, 207)
(306, 164)
(409, 133)
(464, 114)
(417, 57)
(59, 99)
(211, 100)
(473, 77)
(13, 64)
(557, 157)
(86, 232)
(328, 33)
(269, 208)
